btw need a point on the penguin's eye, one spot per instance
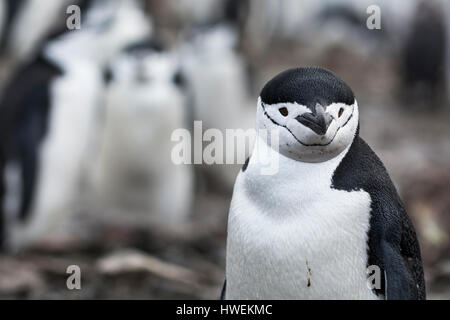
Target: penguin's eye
(341, 111)
(284, 111)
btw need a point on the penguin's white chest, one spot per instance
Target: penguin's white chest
(291, 236)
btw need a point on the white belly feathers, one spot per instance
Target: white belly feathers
(291, 236)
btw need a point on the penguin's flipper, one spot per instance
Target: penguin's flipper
(224, 290)
(393, 246)
(31, 132)
(399, 281)
(401, 263)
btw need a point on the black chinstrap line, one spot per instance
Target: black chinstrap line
(302, 143)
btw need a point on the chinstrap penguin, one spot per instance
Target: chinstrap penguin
(311, 230)
(133, 171)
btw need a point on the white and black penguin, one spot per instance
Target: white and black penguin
(28, 22)
(310, 230)
(25, 25)
(133, 172)
(48, 119)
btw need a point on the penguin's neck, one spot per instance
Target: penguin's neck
(265, 155)
(290, 181)
(79, 45)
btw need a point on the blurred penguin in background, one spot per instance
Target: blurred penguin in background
(189, 13)
(49, 118)
(135, 176)
(26, 103)
(192, 12)
(26, 25)
(319, 25)
(423, 58)
(284, 19)
(218, 85)
(28, 22)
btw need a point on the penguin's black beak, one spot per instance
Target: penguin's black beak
(318, 121)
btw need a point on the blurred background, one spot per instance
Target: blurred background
(87, 116)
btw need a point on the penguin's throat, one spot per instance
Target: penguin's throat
(267, 156)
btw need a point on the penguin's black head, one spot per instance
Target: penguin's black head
(307, 86)
(145, 63)
(314, 111)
